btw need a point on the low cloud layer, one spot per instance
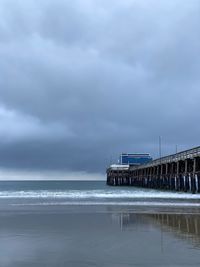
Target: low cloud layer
(82, 81)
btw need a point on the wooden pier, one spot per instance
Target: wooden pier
(178, 172)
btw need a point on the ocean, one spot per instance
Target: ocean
(87, 223)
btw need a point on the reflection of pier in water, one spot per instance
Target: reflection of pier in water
(184, 226)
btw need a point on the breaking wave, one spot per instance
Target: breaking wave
(99, 194)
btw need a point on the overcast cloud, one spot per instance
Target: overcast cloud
(82, 81)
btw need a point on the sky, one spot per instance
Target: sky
(83, 81)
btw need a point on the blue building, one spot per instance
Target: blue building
(134, 158)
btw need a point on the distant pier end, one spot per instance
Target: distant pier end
(119, 174)
(180, 171)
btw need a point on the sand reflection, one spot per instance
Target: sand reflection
(184, 226)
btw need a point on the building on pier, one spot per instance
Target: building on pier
(134, 159)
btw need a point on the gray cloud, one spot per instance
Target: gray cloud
(81, 82)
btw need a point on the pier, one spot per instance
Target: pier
(177, 172)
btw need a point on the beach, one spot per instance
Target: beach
(63, 231)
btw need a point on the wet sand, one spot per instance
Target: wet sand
(98, 236)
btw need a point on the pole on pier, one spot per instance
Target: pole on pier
(160, 148)
(160, 155)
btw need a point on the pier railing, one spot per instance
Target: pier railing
(183, 155)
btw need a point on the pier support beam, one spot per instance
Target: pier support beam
(186, 177)
(177, 178)
(194, 182)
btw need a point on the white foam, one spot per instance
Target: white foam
(99, 194)
(133, 204)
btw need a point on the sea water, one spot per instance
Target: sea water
(92, 193)
(87, 223)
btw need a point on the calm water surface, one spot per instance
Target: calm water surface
(90, 224)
